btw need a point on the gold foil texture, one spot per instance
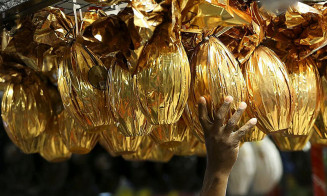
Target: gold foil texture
(290, 143)
(26, 108)
(270, 92)
(163, 78)
(76, 139)
(169, 135)
(117, 143)
(215, 75)
(316, 139)
(305, 80)
(82, 85)
(54, 149)
(124, 104)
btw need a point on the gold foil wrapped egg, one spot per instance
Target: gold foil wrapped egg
(191, 145)
(305, 79)
(54, 149)
(143, 150)
(26, 108)
(124, 104)
(168, 136)
(76, 139)
(27, 146)
(159, 154)
(82, 84)
(117, 143)
(163, 78)
(215, 75)
(290, 143)
(270, 92)
(105, 145)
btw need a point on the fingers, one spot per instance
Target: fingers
(203, 114)
(232, 122)
(221, 114)
(245, 128)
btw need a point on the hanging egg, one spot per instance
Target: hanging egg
(54, 149)
(117, 143)
(163, 78)
(82, 85)
(215, 75)
(124, 104)
(290, 143)
(76, 139)
(270, 92)
(305, 79)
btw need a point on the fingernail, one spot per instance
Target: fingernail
(242, 105)
(229, 99)
(253, 121)
(202, 100)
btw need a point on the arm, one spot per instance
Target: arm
(222, 142)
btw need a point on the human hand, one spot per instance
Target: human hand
(222, 141)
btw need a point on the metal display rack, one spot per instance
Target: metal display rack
(14, 9)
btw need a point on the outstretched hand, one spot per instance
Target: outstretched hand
(222, 142)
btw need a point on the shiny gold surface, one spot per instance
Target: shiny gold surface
(87, 102)
(215, 75)
(163, 78)
(169, 135)
(321, 129)
(323, 107)
(190, 146)
(143, 151)
(54, 149)
(26, 108)
(117, 143)
(269, 91)
(290, 143)
(316, 139)
(124, 104)
(76, 139)
(304, 77)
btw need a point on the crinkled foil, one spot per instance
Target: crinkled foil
(190, 146)
(149, 151)
(9, 72)
(124, 104)
(26, 108)
(107, 2)
(117, 143)
(316, 139)
(82, 85)
(76, 139)
(323, 106)
(270, 94)
(321, 129)
(254, 134)
(27, 146)
(54, 149)
(163, 78)
(215, 75)
(168, 136)
(290, 143)
(305, 80)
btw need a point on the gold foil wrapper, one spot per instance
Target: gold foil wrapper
(54, 149)
(323, 106)
(149, 151)
(27, 146)
(105, 145)
(270, 92)
(9, 72)
(26, 108)
(290, 143)
(107, 2)
(117, 143)
(190, 146)
(76, 139)
(316, 139)
(163, 78)
(124, 104)
(321, 128)
(82, 85)
(305, 80)
(168, 136)
(254, 134)
(215, 75)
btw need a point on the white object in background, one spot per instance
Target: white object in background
(243, 172)
(269, 166)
